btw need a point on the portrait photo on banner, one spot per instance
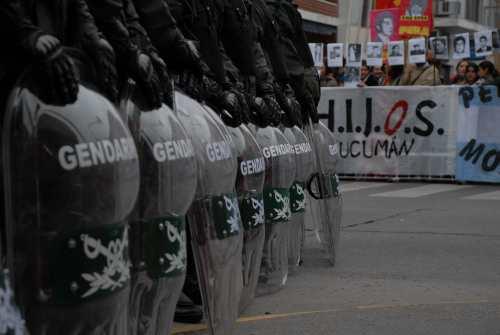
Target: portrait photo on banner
(416, 8)
(335, 54)
(354, 53)
(461, 46)
(417, 51)
(483, 43)
(317, 53)
(416, 18)
(384, 25)
(439, 47)
(396, 52)
(374, 53)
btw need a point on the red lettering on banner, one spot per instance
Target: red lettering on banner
(387, 127)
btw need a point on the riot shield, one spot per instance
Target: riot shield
(158, 235)
(71, 179)
(249, 187)
(326, 202)
(304, 167)
(280, 174)
(11, 321)
(214, 217)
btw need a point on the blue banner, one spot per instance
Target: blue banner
(478, 135)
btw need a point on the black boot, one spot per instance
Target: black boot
(186, 311)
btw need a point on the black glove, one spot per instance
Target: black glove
(145, 75)
(193, 58)
(104, 57)
(259, 112)
(309, 109)
(62, 79)
(45, 45)
(230, 109)
(165, 82)
(293, 118)
(273, 109)
(289, 104)
(244, 105)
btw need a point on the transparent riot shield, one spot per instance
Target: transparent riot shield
(214, 217)
(11, 321)
(158, 234)
(304, 168)
(280, 174)
(249, 188)
(71, 179)
(326, 202)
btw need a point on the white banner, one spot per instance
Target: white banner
(393, 131)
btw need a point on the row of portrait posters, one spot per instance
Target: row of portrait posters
(455, 47)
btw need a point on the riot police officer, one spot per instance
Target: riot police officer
(50, 287)
(136, 57)
(293, 45)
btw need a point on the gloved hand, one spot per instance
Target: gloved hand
(244, 105)
(58, 69)
(293, 117)
(165, 81)
(45, 45)
(145, 76)
(309, 109)
(104, 57)
(273, 109)
(289, 104)
(192, 54)
(259, 112)
(230, 109)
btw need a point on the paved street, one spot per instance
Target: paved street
(415, 258)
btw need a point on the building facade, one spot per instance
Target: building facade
(328, 21)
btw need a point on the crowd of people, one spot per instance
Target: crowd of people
(432, 73)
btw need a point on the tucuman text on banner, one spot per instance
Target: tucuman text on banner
(393, 131)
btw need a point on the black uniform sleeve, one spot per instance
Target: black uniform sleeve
(83, 25)
(270, 40)
(109, 16)
(300, 39)
(161, 27)
(137, 32)
(237, 35)
(265, 79)
(16, 30)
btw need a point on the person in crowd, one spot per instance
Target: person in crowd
(488, 75)
(425, 74)
(379, 74)
(459, 78)
(327, 78)
(471, 74)
(394, 75)
(366, 76)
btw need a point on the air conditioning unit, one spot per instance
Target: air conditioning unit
(448, 8)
